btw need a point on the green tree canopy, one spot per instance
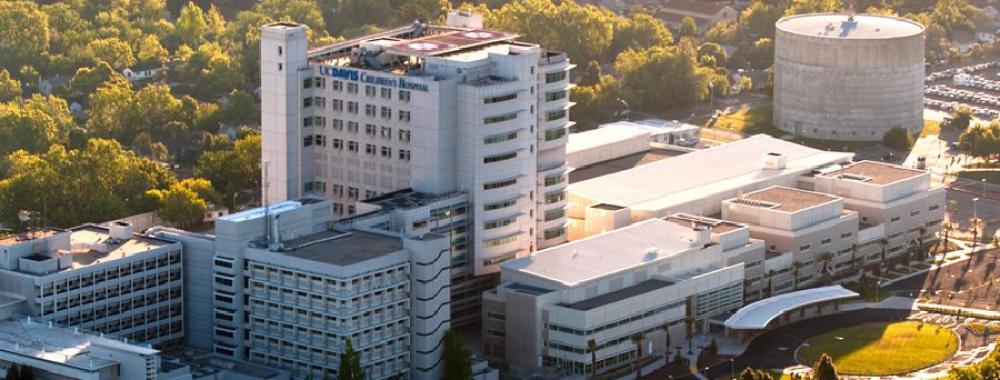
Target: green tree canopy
(584, 32)
(114, 51)
(899, 139)
(350, 363)
(982, 140)
(179, 205)
(10, 88)
(457, 358)
(24, 33)
(232, 170)
(688, 27)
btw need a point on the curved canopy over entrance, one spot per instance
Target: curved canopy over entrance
(758, 315)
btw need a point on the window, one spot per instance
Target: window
(501, 98)
(825, 241)
(934, 207)
(500, 118)
(804, 248)
(914, 212)
(554, 179)
(338, 190)
(369, 149)
(338, 105)
(352, 146)
(307, 83)
(499, 205)
(404, 135)
(551, 215)
(404, 116)
(553, 233)
(338, 85)
(370, 91)
(404, 96)
(352, 126)
(845, 235)
(404, 155)
(385, 132)
(499, 157)
(385, 113)
(352, 192)
(307, 141)
(352, 107)
(386, 151)
(555, 77)
(338, 124)
(554, 134)
(555, 115)
(352, 88)
(370, 129)
(386, 93)
(338, 144)
(307, 102)
(554, 197)
(555, 95)
(493, 139)
(894, 219)
(500, 241)
(370, 110)
(499, 184)
(494, 224)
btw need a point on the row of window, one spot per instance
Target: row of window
(355, 147)
(371, 110)
(352, 88)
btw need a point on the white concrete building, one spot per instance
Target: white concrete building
(694, 183)
(661, 131)
(287, 290)
(105, 280)
(433, 108)
(56, 353)
(646, 278)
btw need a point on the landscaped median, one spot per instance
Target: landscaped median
(960, 311)
(882, 348)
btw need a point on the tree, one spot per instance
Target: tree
(88, 79)
(191, 25)
(100, 182)
(150, 50)
(583, 32)
(27, 129)
(598, 102)
(115, 52)
(687, 28)
(898, 139)
(179, 205)
(961, 118)
(350, 363)
(662, 76)
(639, 31)
(457, 358)
(232, 170)
(824, 369)
(24, 33)
(982, 140)
(10, 88)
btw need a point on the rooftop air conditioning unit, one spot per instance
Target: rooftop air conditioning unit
(120, 231)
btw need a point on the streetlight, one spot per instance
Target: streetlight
(878, 284)
(732, 368)
(627, 111)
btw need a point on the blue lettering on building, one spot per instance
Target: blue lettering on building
(356, 76)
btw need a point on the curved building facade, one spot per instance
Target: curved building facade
(841, 77)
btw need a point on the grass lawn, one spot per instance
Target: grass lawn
(931, 127)
(882, 348)
(749, 121)
(991, 176)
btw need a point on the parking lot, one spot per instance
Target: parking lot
(976, 86)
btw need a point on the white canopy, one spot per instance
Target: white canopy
(757, 315)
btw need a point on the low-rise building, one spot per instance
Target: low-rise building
(58, 353)
(106, 280)
(705, 13)
(556, 307)
(288, 289)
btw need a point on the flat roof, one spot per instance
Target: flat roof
(758, 315)
(259, 212)
(606, 135)
(604, 168)
(692, 176)
(59, 345)
(784, 199)
(448, 42)
(838, 26)
(879, 173)
(88, 244)
(342, 248)
(608, 253)
(618, 295)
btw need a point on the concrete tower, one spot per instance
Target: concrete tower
(282, 60)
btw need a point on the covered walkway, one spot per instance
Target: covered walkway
(758, 315)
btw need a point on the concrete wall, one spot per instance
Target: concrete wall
(847, 88)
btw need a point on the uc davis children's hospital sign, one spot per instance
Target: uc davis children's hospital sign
(355, 75)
